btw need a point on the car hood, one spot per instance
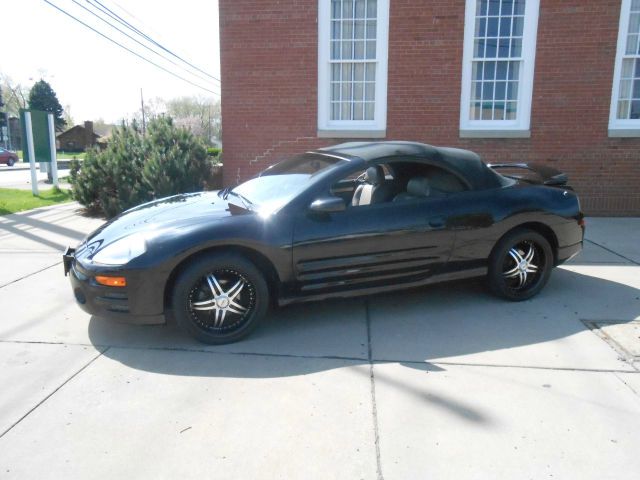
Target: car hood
(171, 213)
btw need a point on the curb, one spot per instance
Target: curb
(62, 165)
(20, 166)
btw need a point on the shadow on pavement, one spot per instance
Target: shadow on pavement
(411, 327)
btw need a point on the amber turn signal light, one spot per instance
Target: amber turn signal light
(111, 281)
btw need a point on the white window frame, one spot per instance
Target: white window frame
(520, 127)
(621, 127)
(352, 128)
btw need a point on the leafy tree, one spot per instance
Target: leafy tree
(201, 115)
(42, 97)
(134, 168)
(102, 128)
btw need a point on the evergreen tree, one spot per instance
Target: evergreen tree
(42, 97)
(135, 168)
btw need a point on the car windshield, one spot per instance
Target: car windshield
(277, 185)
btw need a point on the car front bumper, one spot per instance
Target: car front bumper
(136, 303)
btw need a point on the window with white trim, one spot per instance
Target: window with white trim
(498, 67)
(624, 118)
(352, 65)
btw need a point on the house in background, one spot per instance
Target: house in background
(550, 81)
(78, 138)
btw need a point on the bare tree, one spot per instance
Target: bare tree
(15, 95)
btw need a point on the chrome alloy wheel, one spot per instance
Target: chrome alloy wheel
(222, 301)
(522, 265)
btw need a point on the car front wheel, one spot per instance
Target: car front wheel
(220, 298)
(520, 265)
(10, 162)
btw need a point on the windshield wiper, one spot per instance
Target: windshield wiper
(248, 204)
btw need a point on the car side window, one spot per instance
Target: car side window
(421, 181)
(374, 185)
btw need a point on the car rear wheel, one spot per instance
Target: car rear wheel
(10, 162)
(220, 298)
(520, 265)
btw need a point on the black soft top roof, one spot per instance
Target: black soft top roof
(465, 163)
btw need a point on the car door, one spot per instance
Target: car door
(370, 246)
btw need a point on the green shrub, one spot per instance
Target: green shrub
(134, 169)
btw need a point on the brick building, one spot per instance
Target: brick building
(77, 138)
(551, 81)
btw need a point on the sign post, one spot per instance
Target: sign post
(52, 147)
(39, 144)
(31, 152)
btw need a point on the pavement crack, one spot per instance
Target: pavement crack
(636, 393)
(30, 274)
(47, 397)
(612, 251)
(345, 358)
(372, 380)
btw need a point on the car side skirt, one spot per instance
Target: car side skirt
(356, 292)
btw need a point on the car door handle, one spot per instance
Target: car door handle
(436, 222)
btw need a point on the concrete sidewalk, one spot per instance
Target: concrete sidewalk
(442, 382)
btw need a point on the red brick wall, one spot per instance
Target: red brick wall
(269, 90)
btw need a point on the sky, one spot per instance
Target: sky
(96, 78)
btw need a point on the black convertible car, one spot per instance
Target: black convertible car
(352, 219)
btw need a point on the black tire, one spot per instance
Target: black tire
(214, 320)
(512, 279)
(10, 162)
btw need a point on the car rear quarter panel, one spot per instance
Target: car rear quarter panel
(481, 218)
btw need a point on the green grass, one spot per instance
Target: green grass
(62, 155)
(13, 200)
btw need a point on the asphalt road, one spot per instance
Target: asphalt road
(444, 382)
(20, 177)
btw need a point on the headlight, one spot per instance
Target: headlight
(122, 251)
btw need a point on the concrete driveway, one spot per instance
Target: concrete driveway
(442, 382)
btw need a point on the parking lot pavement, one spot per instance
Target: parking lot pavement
(231, 417)
(494, 422)
(618, 235)
(444, 381)
(34, 240)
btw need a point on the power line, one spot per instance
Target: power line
(118, 18)
(121, 20)
(137, 41)
(129, 50)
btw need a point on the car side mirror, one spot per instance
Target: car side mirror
(328, 205)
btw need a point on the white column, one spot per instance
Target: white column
(52, 146)
(32, 154)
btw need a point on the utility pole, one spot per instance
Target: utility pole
(209, 128)
(144, 126)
